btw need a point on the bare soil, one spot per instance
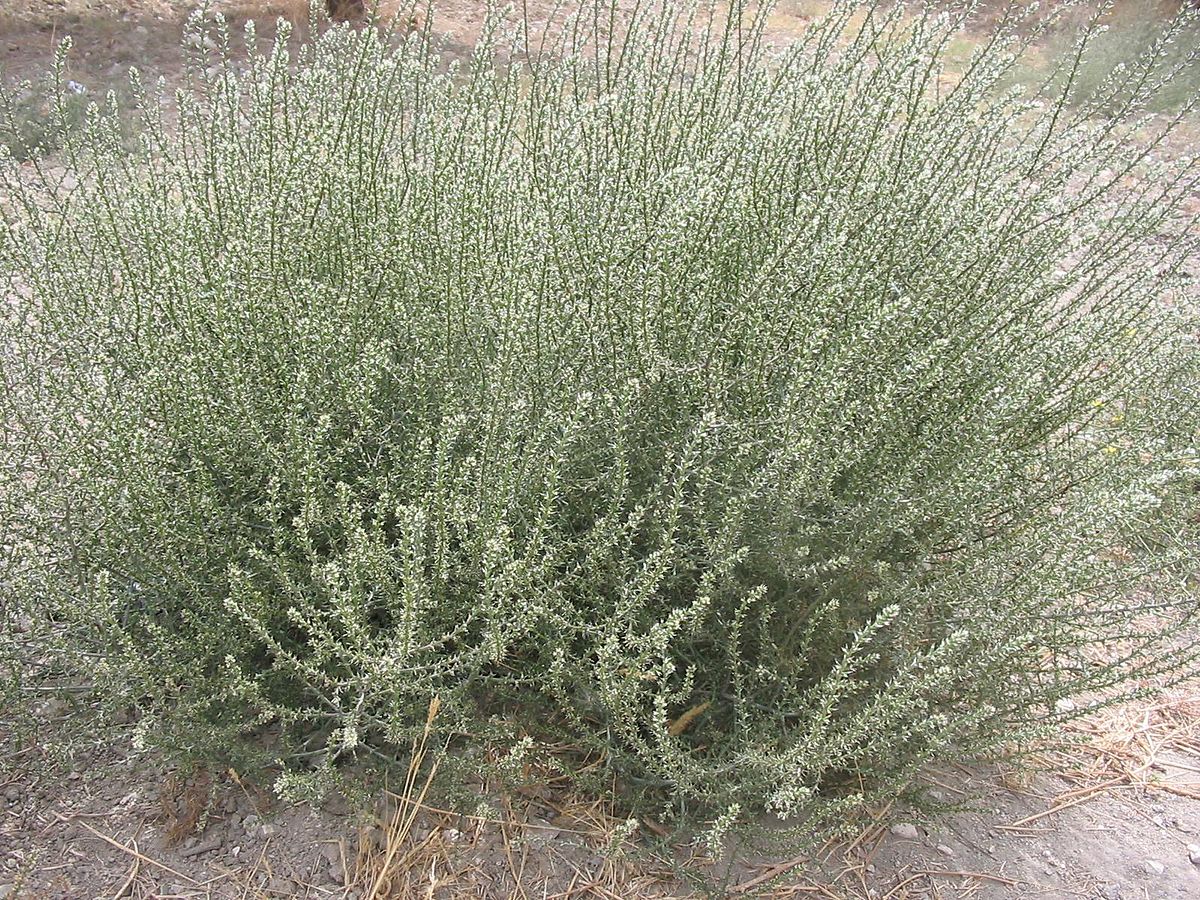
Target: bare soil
(86, 816)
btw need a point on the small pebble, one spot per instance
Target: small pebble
(1065, 705)
(332, 854)
(906, 831)
(945, 850)
(1194, 854)
(1154, 867)
(1053, 860)
(6, 891)
(13, 793)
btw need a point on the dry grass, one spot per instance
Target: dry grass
(423, 851)
(550, 843)
(1148, 746)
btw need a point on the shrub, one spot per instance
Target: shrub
(761, 421)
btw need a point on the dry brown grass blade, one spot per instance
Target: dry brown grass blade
(134, 870)
(979, 876)
(184, 804)
(774, 872)
(1079, 797)
(132, 851)
(680, 725)
(409, 806)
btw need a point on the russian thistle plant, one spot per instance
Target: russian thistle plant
(762, 419)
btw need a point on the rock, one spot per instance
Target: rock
(1154, 867)
(54, 708)
(12, 793)
(1064, 705)
(945, 850)
(250, 822)
(336, 804)
(332, 854)
(269, 830)
(1194, 854)
(7, 890)
(906, 831)
(1111, 892)
(230, 805)
(213, 843)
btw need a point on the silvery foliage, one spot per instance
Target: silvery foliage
(579, 384)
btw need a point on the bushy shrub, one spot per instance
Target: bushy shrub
(762, 421)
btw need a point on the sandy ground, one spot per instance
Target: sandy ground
(86, 816)
(83, 815)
